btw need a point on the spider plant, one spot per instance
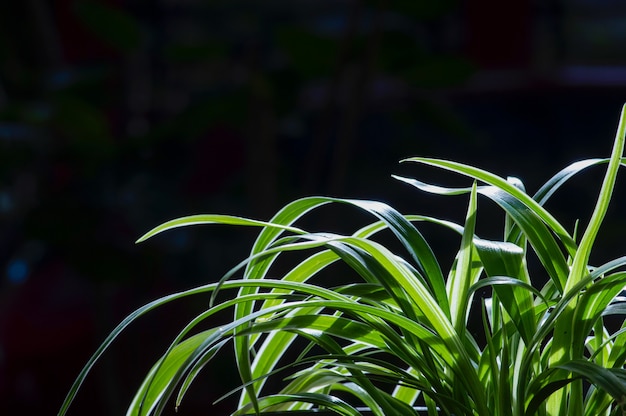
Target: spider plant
(397, 337)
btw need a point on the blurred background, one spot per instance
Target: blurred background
(117, 115)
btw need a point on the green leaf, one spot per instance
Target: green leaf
(499, 184)
(161, 374)
(514, 292)
(527, 214)
(333, 403)
(579, 264)
(465, 272)
(542, 395)
(592, 304)
(612, 380)
(563, 331)
(206, 219)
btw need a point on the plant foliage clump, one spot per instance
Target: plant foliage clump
(398, 336)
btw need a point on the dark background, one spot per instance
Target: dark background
(116, 115)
